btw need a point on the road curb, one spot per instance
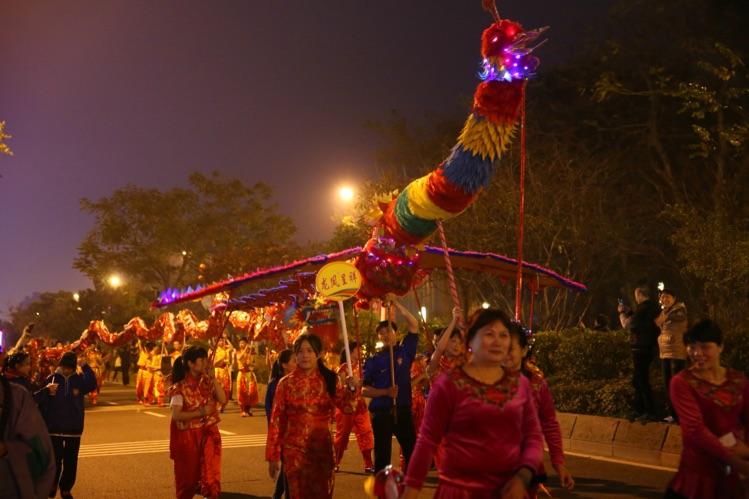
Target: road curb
(657, 444)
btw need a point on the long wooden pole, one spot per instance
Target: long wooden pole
(392, 361)
(346, 347)
(358, 336)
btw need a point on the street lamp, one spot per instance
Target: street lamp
(114, 281)
(485, 305)
(346, 193)
(76, 297)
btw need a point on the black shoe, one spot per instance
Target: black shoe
(647, 418)
(66, 495)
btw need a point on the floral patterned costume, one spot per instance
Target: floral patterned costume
(195, 445)
(547, 416)
(247, 394)
(155, 391)
(353, 415)
(418, 399)
(221, 369)
(94, 361)
(483, 433)
(299, 431)
(706, 413)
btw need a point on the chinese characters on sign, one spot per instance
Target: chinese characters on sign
(338, 281)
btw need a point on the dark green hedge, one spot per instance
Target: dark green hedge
(589, 372)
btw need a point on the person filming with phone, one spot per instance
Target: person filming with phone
(643, 341)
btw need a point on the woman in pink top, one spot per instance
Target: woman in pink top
(547, 414)
(712, 403)
(481, 420)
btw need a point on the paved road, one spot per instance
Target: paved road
(125, 454)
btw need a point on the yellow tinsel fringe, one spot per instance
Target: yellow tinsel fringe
(484, 138)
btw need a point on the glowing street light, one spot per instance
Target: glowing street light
(485, 305)
(114, 281)
(184, 252)
(76, 297)
(346, 193)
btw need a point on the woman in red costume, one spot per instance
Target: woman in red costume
(419, 383)
(142, 379)
(547, 415)
(157, 388)
(303, 406)
(95, 362)
(354, 415)
(247, 394)
(222, 366)
(194, 439)
(449, 351)
(712, 403)
(481, 419)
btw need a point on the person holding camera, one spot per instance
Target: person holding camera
(643, 338)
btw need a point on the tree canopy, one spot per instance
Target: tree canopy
(157, 239)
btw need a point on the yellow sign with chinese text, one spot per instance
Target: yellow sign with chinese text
(338, 281)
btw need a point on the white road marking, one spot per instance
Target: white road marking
(620, 461)
(156, 446)
(112, 403)
(226, 432)
(154, 414)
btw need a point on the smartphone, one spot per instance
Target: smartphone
(728, 440)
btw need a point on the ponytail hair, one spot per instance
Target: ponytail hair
(181, 363)
(521, 335)
(331, 379)
(283, 358)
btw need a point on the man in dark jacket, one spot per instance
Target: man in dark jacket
(124, 353)
(61, 403)
(643, 339)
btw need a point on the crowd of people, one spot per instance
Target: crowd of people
(472, 404)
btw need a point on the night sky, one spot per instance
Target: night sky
(99, 94)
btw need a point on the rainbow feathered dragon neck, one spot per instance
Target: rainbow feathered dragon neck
(508, 61)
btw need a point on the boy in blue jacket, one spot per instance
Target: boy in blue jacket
(61, 403)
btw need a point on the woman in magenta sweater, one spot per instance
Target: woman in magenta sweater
(481, 420)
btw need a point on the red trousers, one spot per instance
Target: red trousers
(196, 453)
(247, 395)
(362, 427)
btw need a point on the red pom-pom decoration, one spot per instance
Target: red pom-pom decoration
(386, 267)
(497, 37)
(499, 101)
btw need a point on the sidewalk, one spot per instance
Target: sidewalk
(657, 444)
